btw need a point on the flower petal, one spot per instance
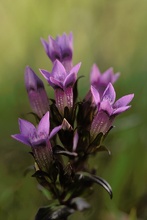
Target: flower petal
(123, 101)
(32, 81)
(115, 77)
(55, 83)
(44, 125)
(54, 131)
(45, 45)
(95, 75)
(54, 50)
(107, 76)
(45, 74)
(21, 138)
(66, 45)
(58, 71)
(109, 94)
(95, 95)
(36, 93)
(106, 106)
(76, 68)
(120, 110)
(70, 80)
(72, 76)
(26, 127)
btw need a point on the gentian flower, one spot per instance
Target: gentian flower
(36, 93)
(61, 49)
(107, 109)
(38, 138)
(62, 82)
(100, 80)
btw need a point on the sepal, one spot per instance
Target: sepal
(58, 212)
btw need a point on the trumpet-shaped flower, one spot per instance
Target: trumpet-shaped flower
(107, 109)
(60, 48)
(62, 82)
(100, 80)
(36, 93)
(39, 139)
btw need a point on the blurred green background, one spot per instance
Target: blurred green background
(109, 33)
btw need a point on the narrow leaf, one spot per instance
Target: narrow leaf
(95, 179)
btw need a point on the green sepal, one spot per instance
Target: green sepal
(58, 212)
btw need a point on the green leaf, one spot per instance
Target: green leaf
(87, 177)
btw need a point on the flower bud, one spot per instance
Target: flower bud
(36, 92)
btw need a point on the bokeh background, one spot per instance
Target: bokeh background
(109, 33)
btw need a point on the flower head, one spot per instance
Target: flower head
(101, 80)
(107, 108)
(34, 136)
(38, 138)
(62, 82)
(59, 77)
(36, 93)
(60, 48)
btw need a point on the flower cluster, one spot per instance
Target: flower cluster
(67, 127)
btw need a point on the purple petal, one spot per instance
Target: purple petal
(120, 110)
(58, 71)
(115, 77)
(21, 138)
(70, 80)
(106, 106)
(123, 101)
(26, 127)
(54, 131)
(55, 83)
(95, 74)
(95, 95)
(72, 76)
(54, 50)
(66, 44)
(32, 81)
(107, 76)
(45, 45)
(109, 94)
(76, 68)
(45, 73)
(44, 124)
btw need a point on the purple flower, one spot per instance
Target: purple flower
(107, 109)
(36, 93)
(61, 49)
(39, 140)
(62, 82)
(101, 80)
